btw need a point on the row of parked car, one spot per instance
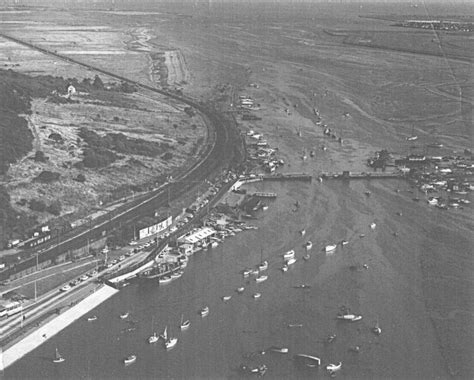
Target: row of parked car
(77, 281)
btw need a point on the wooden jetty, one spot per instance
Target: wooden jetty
(360, 175)
(288, 177)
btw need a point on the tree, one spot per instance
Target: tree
(54, 208)
(40, 156)
(98, 84)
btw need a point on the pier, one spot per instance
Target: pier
(264, 195)
(288, 177)
(360, 175)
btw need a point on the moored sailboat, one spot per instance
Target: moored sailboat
(57, 357)
(184, 325)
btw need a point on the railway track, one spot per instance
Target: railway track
(221, 152)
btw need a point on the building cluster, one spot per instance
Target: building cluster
(445, 180)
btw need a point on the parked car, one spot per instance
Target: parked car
(65, 288)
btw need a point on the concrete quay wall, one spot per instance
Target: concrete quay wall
(51, 328)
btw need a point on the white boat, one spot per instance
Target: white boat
(92, 318)
(350, 317)
(280, 350)
(204, 311)
(176, 274)
(376, 329)
(308, 360)
(263, 265)
(284, 268)
(165, 280)
(344, 242)
(164, 334)
(124, 315)
(214, 244)
(240, 290)
(290, 261)
(307, 256)
(246, 273)
(130, 359)
(226, 298)
(261, 278)
(57, 357)
(308, 245)
(303, 232)
(184, 325)
(257, 295)
(330, 248)
(373, 225)
(153, 339)
(171, 342)
(331, 368)
(288, 255)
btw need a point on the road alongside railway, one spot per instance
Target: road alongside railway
(223, 151)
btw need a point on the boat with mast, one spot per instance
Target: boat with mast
(184, 325)
(57, 357)
(164, 334)
(171, 342)
(154, 337)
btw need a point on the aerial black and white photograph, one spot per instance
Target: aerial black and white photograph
(236, 189)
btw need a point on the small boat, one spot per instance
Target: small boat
(214, 244)
(263, 265)
(330, 248)
(204, 311)
(376, 329)
(308, 360)
(308, 245)
(344, 242)
(92, 318)
(57, 357)
(164, 334)
(280, 350)
(254, 272)
(373, 225)
(331, 368)
(302, 286)
(240, 290)
(184, 325)
(291, 261)
(284, 268)
(291, 325)
(257, 295)
(289, 255)
(165, 280)
(129, 359)
(261, 278)
(176, 274)
(303, 232)
(354, 349)
(307, 256)
(246, 272)
(331, 338)
(124, 315)
(226, 298)
(170, 343)
(153, 339)
(349, 317)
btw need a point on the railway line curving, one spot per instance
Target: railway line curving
(220, 151)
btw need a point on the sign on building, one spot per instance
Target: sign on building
(155, 228)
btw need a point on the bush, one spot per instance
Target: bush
(56, 137)
(46, 176)
(98, 84)
(37, 205)
(167, 156)
(80, 178)
(54, 208)
(40, 156)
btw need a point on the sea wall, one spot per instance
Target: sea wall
(51, 328)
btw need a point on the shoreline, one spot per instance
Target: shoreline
(37, 337)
